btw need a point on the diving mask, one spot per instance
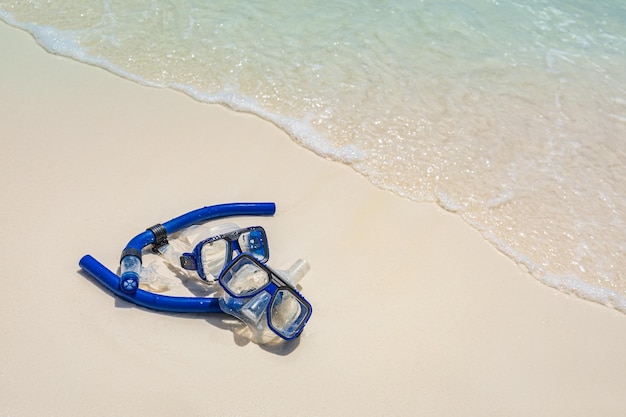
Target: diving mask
(211, 255)
(265, 299)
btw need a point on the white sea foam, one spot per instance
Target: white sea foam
(511, 115)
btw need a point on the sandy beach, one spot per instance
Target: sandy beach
(414, 312)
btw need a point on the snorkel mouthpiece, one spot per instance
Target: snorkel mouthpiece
(296, 272)
(253, 310)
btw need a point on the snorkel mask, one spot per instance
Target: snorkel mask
(263, 298)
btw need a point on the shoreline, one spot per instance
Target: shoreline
(414, 311)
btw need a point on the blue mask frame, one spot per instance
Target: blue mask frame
(259, 250)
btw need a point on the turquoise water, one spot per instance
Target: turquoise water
(511, 114)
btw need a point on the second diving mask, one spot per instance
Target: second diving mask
(265, 299)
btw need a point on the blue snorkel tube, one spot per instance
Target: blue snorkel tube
(126, 286)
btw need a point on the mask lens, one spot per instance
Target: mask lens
(244, 278)
(254, 243)
(213, 256)
(288, 313)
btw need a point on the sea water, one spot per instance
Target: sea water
(510, 113)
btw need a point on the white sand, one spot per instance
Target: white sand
(414, 313)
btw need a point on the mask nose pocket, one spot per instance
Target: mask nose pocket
(254, 309)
